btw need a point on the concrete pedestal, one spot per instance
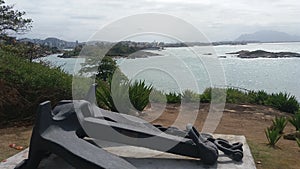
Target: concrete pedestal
(144, 158)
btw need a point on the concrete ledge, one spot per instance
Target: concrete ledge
(150, 159)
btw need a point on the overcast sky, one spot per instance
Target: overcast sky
(217, 19)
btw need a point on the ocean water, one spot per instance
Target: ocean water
(69, 65)
(196, 68)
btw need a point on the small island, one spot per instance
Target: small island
(245, 54)
(123, 49)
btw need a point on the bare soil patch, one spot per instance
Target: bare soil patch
(248, 120)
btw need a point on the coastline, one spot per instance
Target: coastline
(138, 54)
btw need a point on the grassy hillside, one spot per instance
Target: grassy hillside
(25, 84)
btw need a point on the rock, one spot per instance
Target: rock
(263, 54)
(291, 136)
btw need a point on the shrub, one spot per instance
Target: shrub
(32, 83)
(106, 68)
(205, 97)
(217, 95)
(139, 94)
(236, 96)
(273, 136)
(295, 121)
(283, 102)
(279, 124)
(173, 98)
(190, 96)
(259, 97)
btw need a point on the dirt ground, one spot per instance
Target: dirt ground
(248, 120)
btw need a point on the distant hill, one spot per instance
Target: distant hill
(269, 36)
(52, 42)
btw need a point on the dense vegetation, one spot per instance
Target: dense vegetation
(281, 101)
(25, 84)
(122, 49)
(72, 53)
(26, 50)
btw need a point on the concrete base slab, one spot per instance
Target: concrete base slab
(150, 159)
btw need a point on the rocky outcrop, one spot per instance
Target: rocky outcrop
(264, 54)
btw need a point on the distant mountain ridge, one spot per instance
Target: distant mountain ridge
(268, 36)
(52, 42)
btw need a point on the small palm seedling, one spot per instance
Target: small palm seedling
(295, 121)
(273, 136)
(279, 124)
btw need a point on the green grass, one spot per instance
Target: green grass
(269, 157)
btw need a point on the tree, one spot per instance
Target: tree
(12, 20)
(106, 68)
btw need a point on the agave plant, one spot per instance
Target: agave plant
(103, 95)
(273, 136)
(139, 94)
(295, 121)
(284, 102)
(123, 97)
(279, 124)
(258, 97)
